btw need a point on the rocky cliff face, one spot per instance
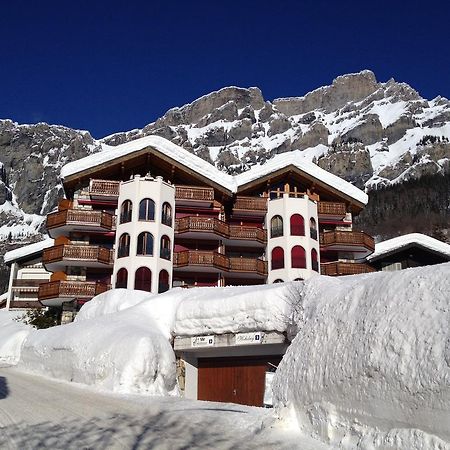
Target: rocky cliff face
(372, 134)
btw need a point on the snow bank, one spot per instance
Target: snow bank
(370, 365)
(110, 302)
(234, 309)
(126, 352)
(12, 335)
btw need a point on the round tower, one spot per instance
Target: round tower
(293, 238)
(144, 235)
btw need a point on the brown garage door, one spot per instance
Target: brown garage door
(234, 380)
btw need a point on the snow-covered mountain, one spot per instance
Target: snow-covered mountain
(371, 133)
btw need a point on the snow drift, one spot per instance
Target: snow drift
(370, 365)
(126, 351)
(12, 335)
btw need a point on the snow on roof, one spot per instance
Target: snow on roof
(297, 159)
(207, 170)
(422, 240)
(161, 145)
(27, 250)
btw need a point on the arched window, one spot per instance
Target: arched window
(314, 262)
(278, 280)
(147, 209)
(122, 278)
(276, 226)
(165, 248)
(143, 279)
(297, 225)
(277, 258)
(313, 229)
(163, 281)
(166, 214)
(125, 211)
(145, 244)
(298, 257)
(124, 246)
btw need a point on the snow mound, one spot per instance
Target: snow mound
(234, 309)
(127, 351)
(12, 335)
(370, 365)
(110, 302)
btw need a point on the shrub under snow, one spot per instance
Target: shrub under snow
(370, 365)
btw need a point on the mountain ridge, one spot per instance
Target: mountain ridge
(374, 134)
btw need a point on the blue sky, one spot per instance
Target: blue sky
(113, 66)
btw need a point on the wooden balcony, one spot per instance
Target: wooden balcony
(104, 188)
(347, 241)
(55, 293)
(344, 268)
(191, 227)
(250, 206)
(208, 261)
(59, 256)
(191, 196)
(61, 223)
(27, 283)
(331, 210)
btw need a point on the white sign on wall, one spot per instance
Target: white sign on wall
(249, 338)
(202, 341)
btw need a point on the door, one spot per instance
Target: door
(234, 380)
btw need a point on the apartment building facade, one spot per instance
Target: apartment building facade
(149, 215)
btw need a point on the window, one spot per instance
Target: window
(166, 215)
(147, 209)
(314, 262)
(297, 225)
(163, 281)
(276, 227)
(298, 257)
(125, 211)
(122, 278)
(165, 248)
(124, 246)
(145, 244)
(143, 279)
(299, 279)
(278, 280)
(313, 229)
(277, 258)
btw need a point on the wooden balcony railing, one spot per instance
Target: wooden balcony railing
(331, 209)
(194, 193)
(216, 226)
(87, 253)
(107, 188)
(80, 217)
(219, 261)
(71, 289)
(23, 282)
(350, 238)
(344, 268)
(251, 204)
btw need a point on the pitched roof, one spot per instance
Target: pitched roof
(413, 239)
(192, 162)
(27, 250)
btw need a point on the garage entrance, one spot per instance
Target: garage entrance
(235, 380)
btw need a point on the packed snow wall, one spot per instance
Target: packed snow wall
(370, 365)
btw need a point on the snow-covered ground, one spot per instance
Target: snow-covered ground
(368, 369)
(38, 413)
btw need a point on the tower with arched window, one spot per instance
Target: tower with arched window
(144, 235)
(292, 238)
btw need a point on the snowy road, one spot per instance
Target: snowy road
(36, 412)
